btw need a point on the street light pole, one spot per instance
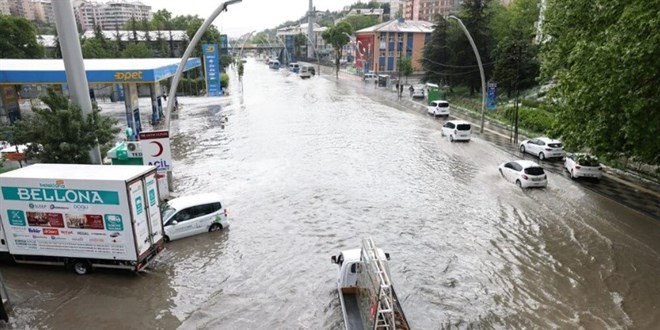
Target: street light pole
(73, 63)
(481, 70)
(193, 43)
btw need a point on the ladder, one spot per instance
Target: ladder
(385, 314)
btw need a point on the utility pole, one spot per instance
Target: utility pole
(73, 63)
(310, 28)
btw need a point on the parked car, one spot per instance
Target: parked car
(583, 165)
(524, 173)
(418, 92)
(457, 130)
(438, 108)
(369, 76)
(192, 215)
(543, 148)
(305, 72)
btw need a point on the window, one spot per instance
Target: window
(554, 145)
(183, 215)
(516, 167)
(534, 171)
(463, 127)
(509, 165)
(450, 125)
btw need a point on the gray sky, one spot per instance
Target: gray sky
(248, 15)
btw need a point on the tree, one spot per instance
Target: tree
(438, 54)
(92, 48)
(63, 133)
(603, 60)
(137, 51)
(359, 22)
(476, 16)
(299, 41)
(162, 19)
(516, 64)
(19, 38)
(338, 38)
(226, 60)
(118, 46)
(406, 67)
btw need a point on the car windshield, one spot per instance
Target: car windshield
(534, 171)
(166, 211)
(554, 145)
(463, 127)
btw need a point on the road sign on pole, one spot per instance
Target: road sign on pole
(491, 101)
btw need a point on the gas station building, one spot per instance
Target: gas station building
(122, 75)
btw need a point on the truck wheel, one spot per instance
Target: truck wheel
(81, 267)
(215, 227)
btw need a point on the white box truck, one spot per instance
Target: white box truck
(81, 216)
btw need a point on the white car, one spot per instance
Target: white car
(438, 108)
(543, 148)
(369, 76)
(192, 215)
(305, 72)
(418, 92)
(524, 173)
(457, 130)
(582, 165)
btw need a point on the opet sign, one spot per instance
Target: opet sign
(128, 75)
(156, 149)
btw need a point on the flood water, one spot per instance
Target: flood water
(308, 168)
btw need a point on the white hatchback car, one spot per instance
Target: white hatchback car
(583, 165)
(192, 215)
(457, 130)
(543, 148)
(438, 108)
(524, 173)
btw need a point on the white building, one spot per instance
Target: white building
(111, 15)
(4, 7)
(43, 11)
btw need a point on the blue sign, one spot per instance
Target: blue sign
(224, 45)
(491, 98)
(212, 65)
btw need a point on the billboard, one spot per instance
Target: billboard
(491, 98)
(156, 150)
(212, 65)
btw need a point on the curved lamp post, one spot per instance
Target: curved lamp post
(240, 52)
(193, 43)
(318, 60)
(481, 70)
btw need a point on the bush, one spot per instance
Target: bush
(532, 119)
(224, 80)
(531, 103)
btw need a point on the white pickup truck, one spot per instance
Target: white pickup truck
(367, 296)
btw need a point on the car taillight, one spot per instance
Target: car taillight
(577, 167)
(525, 177)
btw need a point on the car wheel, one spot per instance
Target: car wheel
(519, 184)
(215, 227)
(451, 138)
(541, 156)
(522, 149)
(166, 239)
(81, 267)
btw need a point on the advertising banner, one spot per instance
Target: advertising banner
(151, 184)
(491, 97)
(212, 65)
(68, 219)
(138, 210)
(156, 149)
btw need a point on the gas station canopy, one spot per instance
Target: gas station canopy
(111, 71)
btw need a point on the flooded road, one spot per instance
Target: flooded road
(309, 167)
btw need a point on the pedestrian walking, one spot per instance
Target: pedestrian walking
(412, 90)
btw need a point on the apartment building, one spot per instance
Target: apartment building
(4, 7)
(427, 10)
(22, 8)
(110, 15)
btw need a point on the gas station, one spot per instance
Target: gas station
(19, 77)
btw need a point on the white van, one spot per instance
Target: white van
(305, 72)
(457, 130)
(438, 108)
(369, 76)
(192, 215)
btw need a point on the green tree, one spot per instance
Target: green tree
(162, 20)
(359, 22)
(118, 45)
(406, 67)
(516, 64)
(93, 48)
(137, 51)
(603, 59)
(476, 16)
(337, 37)
(63, 133)
(225, 61)
(19, 38)
(438, 53)
(299, 41)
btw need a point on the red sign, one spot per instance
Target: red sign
(55, 219)
(51, 231)
(93, 221)
(154, 135)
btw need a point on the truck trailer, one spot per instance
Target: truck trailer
(81, 216)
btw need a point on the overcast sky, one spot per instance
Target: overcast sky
(248, 15)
